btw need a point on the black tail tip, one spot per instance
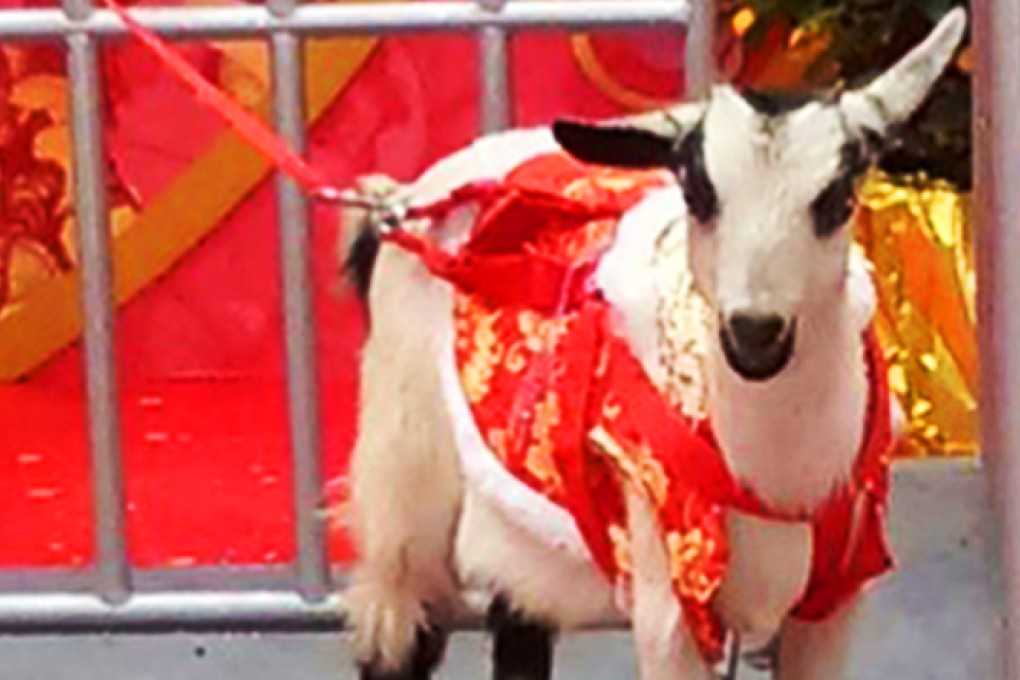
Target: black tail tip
(360, 261)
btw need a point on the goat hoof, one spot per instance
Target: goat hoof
(766, 659)
(522, 649)
(429, 645)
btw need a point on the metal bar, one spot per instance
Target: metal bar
(191, 578)
(253, 21)
(494, 102)
(699, 66)
(494, 72)
(196, 611)
(111, 568)
(158, 612)
(302, 388)
(997, 206)
(46, 580)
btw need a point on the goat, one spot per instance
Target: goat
(758, 238)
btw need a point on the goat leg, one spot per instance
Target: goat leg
(522, 649)
(429, 645)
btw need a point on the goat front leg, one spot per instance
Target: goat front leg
(405, 502)
(817, 650)
(402, 588)
(405, 483)
(664, 646)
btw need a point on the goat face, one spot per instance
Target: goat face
(769, 187)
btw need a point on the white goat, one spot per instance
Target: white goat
(769, 192)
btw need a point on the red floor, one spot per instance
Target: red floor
(204, 486)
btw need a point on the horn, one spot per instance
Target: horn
(893, 97)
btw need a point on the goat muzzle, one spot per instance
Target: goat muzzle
(757, 346)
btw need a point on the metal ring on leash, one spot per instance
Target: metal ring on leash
(384, 215)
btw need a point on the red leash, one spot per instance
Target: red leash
(257, 133)
(313, 180)
(551, 284)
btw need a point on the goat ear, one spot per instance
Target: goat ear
(644, 141)
(893, 97)
(609, 145)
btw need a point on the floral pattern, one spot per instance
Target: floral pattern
(567, 409)
(34, 202)
(37, 236)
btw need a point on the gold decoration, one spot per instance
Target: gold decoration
(620, 539)
(682, 320)
(637, 464)
(486, 351)
(919, 239)
(689, 551)
(537, 334)
(593, 68)
(540, 459)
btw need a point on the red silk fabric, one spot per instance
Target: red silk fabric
(562, 402)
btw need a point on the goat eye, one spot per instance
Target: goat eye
(834, 207)
(699, 193)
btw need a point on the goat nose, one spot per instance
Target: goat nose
(756, 331)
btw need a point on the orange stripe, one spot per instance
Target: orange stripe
(48, 317)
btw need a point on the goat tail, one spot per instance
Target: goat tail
(358, 241)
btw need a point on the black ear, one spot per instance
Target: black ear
(618, 146)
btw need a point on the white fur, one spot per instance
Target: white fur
(511, 540)
(626, 277)
(406, 479)
(495, 554)
(431, 517)
(665, 649)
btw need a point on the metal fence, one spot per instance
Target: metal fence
(112, 596)
(996, 32)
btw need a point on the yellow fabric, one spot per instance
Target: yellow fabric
(920, 241)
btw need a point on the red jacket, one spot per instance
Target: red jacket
(562, 402)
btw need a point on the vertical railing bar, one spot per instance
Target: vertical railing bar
(997, 207)
(113, 582)
(302, 389)
(494, 73)
(699, 67)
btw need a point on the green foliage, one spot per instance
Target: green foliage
(867, 36)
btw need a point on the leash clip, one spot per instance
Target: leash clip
(385, 215)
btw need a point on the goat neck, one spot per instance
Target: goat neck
(794, 438)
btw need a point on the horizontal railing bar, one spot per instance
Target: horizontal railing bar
(248, 578)
(254, 21)
(190, 612)
(237, 579)
(169, 611)
(46, 579)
